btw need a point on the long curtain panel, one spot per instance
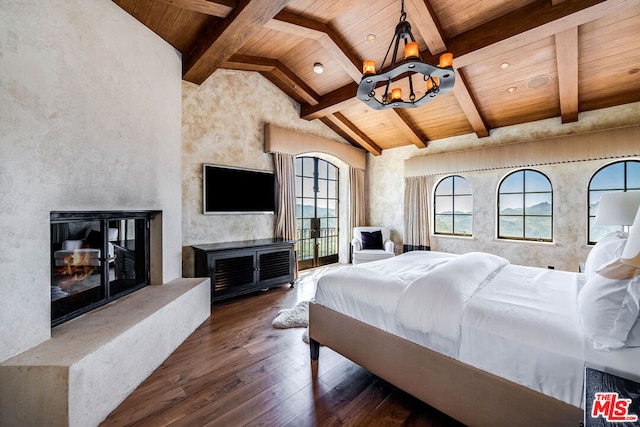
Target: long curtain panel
(285, 226)
(357, 215)
(416, 214)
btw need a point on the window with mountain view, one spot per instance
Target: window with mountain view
(618, 176)
(453, 213)
(317, 193)
(525, 206)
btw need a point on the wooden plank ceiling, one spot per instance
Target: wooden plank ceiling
(517, 61)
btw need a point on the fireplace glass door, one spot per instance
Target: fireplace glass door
(96, 257)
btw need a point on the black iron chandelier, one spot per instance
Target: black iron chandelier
(438, 79)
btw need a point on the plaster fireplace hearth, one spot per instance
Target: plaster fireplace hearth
(118, 324)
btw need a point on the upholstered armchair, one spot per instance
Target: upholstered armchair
(371, 244)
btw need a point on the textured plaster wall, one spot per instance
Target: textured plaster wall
(385, 177)
(569, 182)
(90, 108)
(223, 123)
(385, 191)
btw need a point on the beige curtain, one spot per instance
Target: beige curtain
(357, 216)
(285, 226)
(356, 198)
(416, 214)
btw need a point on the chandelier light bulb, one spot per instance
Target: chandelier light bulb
(411, 51)
(369, 67)
(446, 60)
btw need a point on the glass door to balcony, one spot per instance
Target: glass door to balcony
(316, 212)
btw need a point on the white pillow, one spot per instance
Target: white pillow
(607, 250)
(609, 307)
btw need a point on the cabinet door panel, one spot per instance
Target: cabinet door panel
(232, 273)
(274, 266)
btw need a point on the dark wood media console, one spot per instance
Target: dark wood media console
(241, 267)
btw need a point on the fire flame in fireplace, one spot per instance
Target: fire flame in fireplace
(77, 266)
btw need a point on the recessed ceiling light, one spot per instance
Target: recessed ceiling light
(371, 38)
(504, 65)
(512, 89)
(318, 68)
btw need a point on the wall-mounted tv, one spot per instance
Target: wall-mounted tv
(229, 190)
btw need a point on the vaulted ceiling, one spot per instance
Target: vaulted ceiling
(516, 61)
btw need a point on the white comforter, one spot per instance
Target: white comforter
(369, 292)
(435, 302)
(530, 316)
(520, 323)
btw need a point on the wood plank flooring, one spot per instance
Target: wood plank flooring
(236, 369)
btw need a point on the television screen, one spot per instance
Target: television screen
(236, 190)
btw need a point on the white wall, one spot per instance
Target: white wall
(223, 123)
(90, 119)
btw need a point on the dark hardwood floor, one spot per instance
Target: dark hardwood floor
(236, 369)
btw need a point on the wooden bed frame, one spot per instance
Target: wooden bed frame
(470, 395)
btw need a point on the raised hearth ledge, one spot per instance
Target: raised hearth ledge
(92, 363)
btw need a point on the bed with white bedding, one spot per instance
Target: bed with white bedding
(481, 339)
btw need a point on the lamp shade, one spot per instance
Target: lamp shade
(618, 208)
(631, 253)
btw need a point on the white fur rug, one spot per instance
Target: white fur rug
(295, 317)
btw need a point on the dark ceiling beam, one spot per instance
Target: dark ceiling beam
(341, 125)
(431, 32)
(330, 41)
(329, 123)
(218, 8)
(227, 36)
(567, 59)
(511, 31)
(277, 73)
(469, 106)
(532, 22)
(430, 29)
(331, 102)
(402, 121)
(426, 23)
(301, 26)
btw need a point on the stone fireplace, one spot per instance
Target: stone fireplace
(118, 324)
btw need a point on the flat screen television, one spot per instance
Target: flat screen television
(229, 190)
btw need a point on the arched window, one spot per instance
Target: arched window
(618, 176)
(525, 206)
(317, 197)
(453, 201)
